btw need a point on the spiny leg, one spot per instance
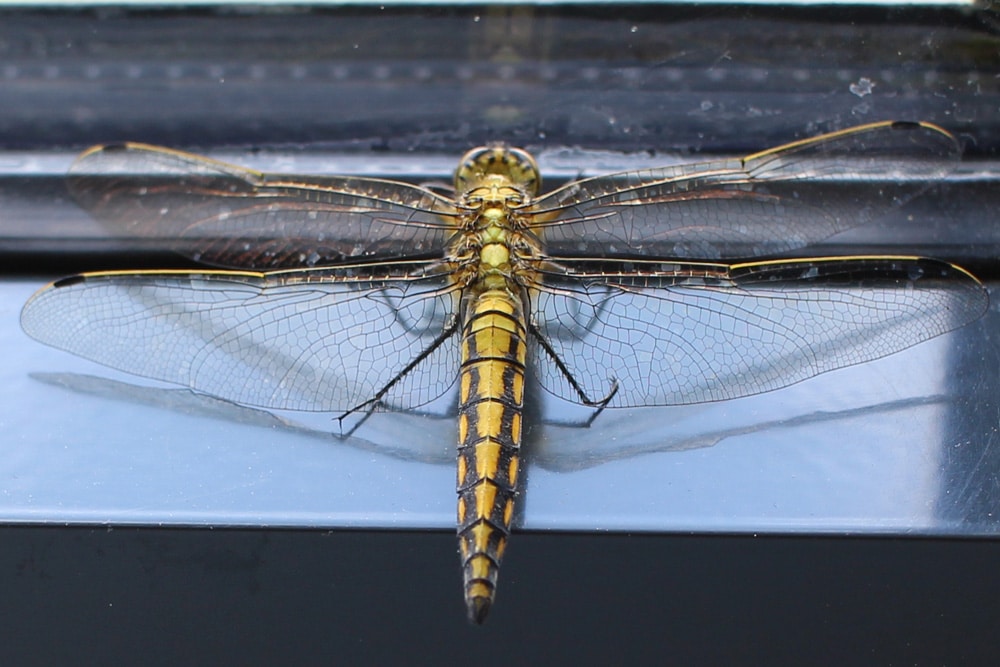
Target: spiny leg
(581, 394)
(371, 405)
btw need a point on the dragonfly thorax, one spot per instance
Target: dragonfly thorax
(493, 247)
(494, 192)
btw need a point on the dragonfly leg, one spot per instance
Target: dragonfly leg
(599, 404)
(603, 403)
(372, 404)
(368, 410)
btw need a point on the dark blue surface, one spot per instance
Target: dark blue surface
(239, 597)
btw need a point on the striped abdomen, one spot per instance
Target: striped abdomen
(492, 394)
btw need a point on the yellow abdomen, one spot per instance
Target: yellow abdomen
(490, 403)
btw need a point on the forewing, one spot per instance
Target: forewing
(228, 216)
(707, 334)
(770, 202)
(308, 340)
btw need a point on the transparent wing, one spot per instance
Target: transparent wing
(225, 215)
(696, 333)
(281, 341)
(774, 201)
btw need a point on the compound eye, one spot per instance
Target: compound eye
(528, 174)
(514, 164)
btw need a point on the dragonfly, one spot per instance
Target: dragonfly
(654, 287)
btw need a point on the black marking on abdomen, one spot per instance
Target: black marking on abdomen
(490, 405)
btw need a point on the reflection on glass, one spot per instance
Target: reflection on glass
(356, 296)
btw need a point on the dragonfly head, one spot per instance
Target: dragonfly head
(484, 164)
